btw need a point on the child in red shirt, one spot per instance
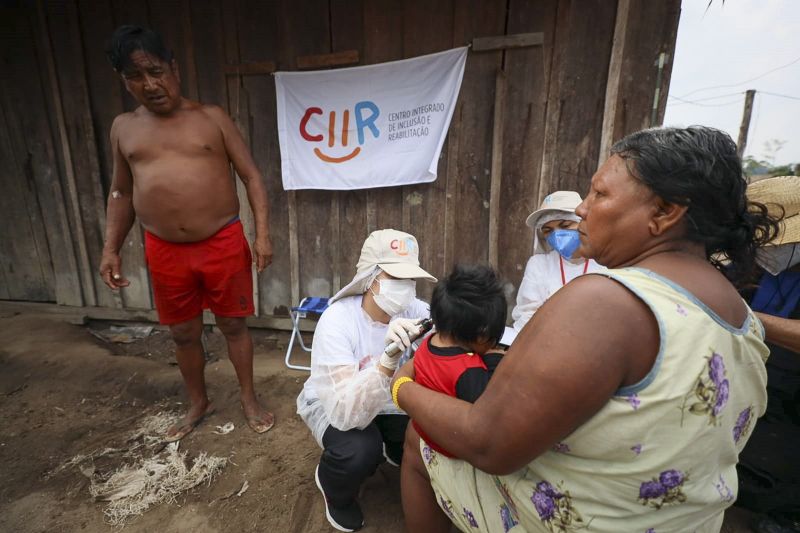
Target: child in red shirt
(468, 309)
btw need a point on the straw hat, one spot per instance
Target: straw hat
(394, 252)
(781, 191)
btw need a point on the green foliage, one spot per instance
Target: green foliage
(764, 169)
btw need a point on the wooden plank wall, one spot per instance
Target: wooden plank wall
(642, 31)
(37, 258)
(590, 81)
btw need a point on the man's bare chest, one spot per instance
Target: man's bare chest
(147, 142)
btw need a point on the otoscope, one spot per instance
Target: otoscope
(392, 349)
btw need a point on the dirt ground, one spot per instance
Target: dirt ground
(63, 392)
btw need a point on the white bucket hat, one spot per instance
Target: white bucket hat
(394, 252)
(559, 205)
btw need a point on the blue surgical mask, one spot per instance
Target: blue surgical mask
(564, 241)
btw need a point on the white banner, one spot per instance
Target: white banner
(364, 127)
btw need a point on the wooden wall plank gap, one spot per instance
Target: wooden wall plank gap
(190, 68)
(294, 248)
(497, 167)
(451, 231)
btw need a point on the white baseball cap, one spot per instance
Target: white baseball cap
(394, 252)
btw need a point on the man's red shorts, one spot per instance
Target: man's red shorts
(215, 273)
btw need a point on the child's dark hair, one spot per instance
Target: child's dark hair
(469, 303)
(127, 39)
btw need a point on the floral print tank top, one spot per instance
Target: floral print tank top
(660, 456)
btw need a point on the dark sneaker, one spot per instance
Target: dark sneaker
(389, 459)
(348, 518)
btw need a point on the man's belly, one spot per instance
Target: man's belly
(185, 210)
(189, 232)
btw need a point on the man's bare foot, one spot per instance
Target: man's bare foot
(193, 417)
(258, 419)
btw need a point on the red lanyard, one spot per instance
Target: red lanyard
(561, 264)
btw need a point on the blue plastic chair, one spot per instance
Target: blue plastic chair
(310, 305)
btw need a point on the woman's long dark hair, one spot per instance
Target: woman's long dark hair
(698, 167)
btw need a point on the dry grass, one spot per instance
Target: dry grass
(139, 483)
(132, 489)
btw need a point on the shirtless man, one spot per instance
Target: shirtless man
(172, 168)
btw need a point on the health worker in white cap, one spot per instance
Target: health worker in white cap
(346, 401)
(554, 262)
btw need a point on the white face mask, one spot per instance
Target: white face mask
(776, 259)
(395, 295)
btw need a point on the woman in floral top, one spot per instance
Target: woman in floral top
(623, 405)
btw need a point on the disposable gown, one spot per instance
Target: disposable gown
(541, 280)
(345, 388)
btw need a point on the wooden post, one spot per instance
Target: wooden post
(614, 79)
(657, 94)
(636, 90)
(497, 167)
(745, 127)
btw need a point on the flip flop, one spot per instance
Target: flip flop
(187, 428)
(259, 426)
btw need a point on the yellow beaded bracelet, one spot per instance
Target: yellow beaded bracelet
(396, 388)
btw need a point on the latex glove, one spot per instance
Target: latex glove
(389, 362)
(401, 331)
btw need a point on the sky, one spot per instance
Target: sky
(732, 46)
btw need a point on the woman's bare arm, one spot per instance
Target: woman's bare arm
(591, 338)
